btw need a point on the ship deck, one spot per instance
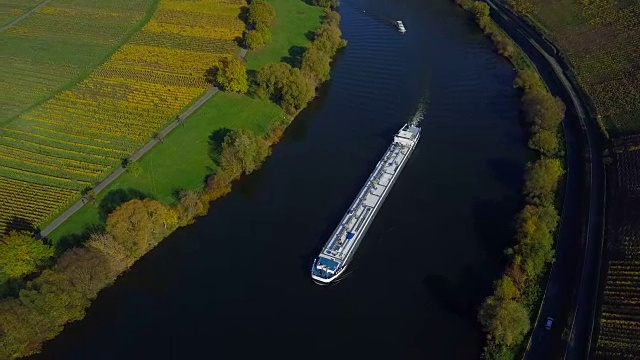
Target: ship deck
(354, 223)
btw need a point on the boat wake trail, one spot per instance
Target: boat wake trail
(378, 18)
(421, 111)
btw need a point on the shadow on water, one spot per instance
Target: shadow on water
(507, 171)
(494, 223)
(459, 297)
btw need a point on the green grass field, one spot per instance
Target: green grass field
(295, 19)
(182, 161)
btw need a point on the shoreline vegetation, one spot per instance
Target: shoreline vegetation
(506, 315)
(35, 311)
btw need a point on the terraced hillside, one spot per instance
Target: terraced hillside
(11, 9)
(51, 152)
(57, 44)
(601, 38)
(618, 328)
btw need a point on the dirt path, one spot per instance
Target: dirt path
(134, 157)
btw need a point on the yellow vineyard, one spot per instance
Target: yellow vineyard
(53, 151)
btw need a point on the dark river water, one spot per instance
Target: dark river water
(237, 283)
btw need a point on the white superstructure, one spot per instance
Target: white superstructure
(339, 250)
(400, 26)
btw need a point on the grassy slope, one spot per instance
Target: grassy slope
(182, 161)
(295, 19)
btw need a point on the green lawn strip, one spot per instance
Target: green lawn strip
(182, 160)
(294, 20)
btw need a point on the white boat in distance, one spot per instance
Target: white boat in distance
(400, 27)
(339, 250)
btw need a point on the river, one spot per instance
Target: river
(236, 284)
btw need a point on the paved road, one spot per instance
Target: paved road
(572, 287)
(137, 155)
(23, 16)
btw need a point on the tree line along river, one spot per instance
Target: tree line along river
(237, 283)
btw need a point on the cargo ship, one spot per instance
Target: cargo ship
(338, 252)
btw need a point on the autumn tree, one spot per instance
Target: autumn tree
(134, 168)
(505, 321)
(332, 18)
(542, 111)
(285, 85)
(545, 141)
(16, 328)
(218, 185)
(140, 224)
(506, 289)
(191, 205)
(297, 93)
(87, 270)
(541, 180)
(481, 12)
(316, 64)
(21, 254)
(528, 80)
(534, 241)
(243, 152)
(119, 257)
(326, 3)
(253, 39)
(328, 39)
(54, 301)
(504, 45)
(260, 15)
(231, 76)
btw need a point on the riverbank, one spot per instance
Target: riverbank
(186, 151)
(441, 231)
(117, 209)
(583, 210)
(508, 313)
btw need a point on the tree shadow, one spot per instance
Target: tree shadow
(252, 78)
(72, 240)
(20, 224)
(508, 172)
(295, 56)
(116, 198)
(239, 40)
(215, 144)
(210, 75)
(244, 14)
(462, 298)
(310, 35)
(495, 225)
(176, 193)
